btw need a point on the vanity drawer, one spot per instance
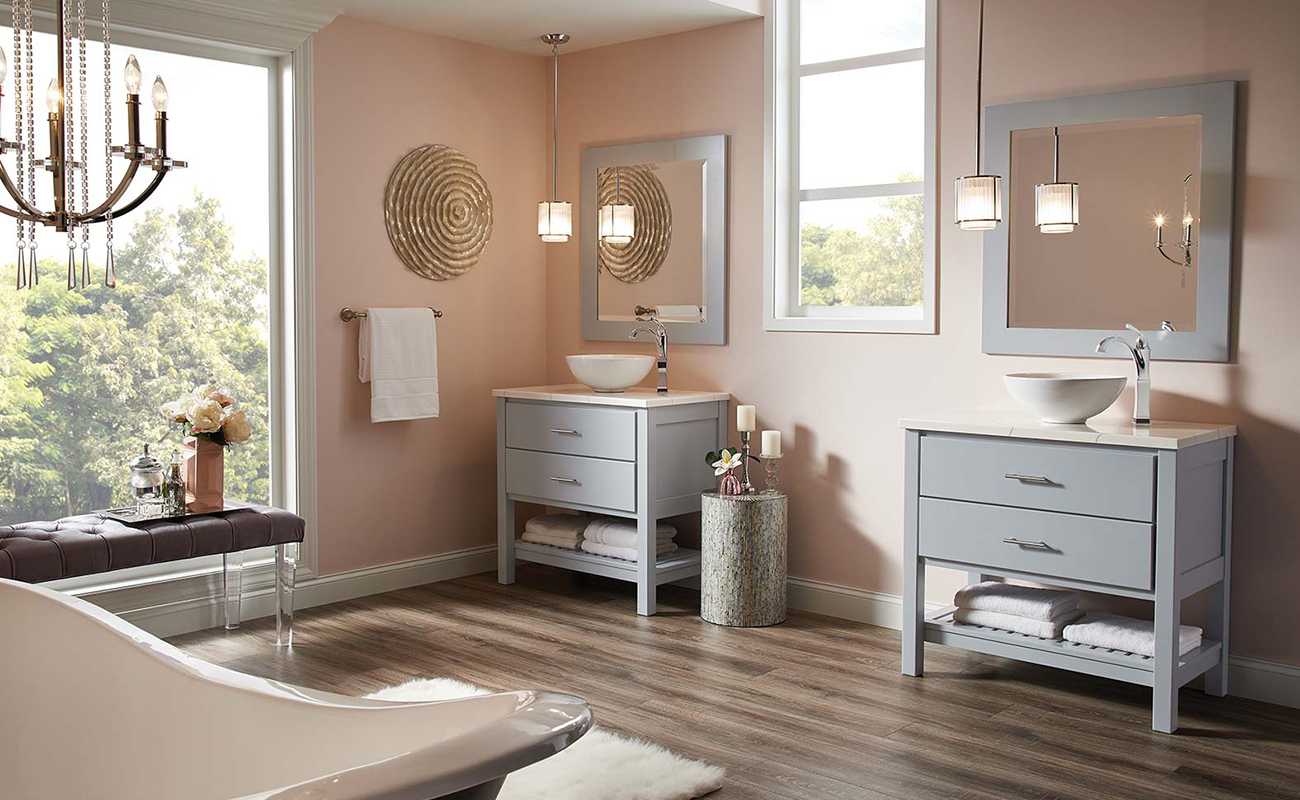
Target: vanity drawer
(1105, 551)
(1078, 480)
(597, 432)
(571, 479)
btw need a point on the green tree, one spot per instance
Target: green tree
(82, 374)
(879, 264)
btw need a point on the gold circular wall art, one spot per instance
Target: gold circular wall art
(642, 257)
(438, 212)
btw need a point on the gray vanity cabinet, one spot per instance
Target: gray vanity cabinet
(639, 455)
(1143, 513)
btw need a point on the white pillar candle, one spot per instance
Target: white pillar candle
(745, 418)
(771, 444)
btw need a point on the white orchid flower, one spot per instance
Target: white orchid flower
(726, 463)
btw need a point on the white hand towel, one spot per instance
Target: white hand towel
(569, 526)
(625, 553)
(554, 541)
(398, 356)
(691, 313)
(1020, 601)
(1114, 632)
(622, 533)
(1042, 628)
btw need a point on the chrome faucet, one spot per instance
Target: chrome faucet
(661, 341)
(1141, 352)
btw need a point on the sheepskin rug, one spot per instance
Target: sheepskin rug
(599, 766)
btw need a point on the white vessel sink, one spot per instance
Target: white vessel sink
(1062, 397)
(610, 373)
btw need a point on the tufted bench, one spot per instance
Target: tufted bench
(33, 552)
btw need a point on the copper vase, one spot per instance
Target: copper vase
(205, 475)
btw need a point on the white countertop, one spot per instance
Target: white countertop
(1160, 434)
(636, 397)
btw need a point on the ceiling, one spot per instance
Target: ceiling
(519, 24)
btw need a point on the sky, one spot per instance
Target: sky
(217, 121)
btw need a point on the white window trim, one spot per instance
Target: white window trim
(780, 185)
(202, 28)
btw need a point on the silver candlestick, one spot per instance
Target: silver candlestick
(745, 485)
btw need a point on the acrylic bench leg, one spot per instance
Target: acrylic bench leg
(232, 576)
(286, 566)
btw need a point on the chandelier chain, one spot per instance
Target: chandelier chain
(110, 279)
(82, 134)
(18, 129)
(31, 130)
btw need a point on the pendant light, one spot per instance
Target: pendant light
(978, 197)
(554, 216)
(1056, 204)
(617, 219)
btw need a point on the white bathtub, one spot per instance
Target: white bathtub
(91, 706)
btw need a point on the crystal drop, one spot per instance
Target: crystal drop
(110, 277)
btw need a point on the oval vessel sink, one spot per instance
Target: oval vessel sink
(610, 373)
(1064, 398)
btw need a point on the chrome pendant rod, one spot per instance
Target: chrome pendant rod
(979, 92)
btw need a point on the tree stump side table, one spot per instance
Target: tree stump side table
(743, 559)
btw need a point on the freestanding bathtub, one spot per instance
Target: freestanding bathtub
(91, 706)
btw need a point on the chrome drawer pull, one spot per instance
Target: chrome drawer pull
(564, 431)
(1022, 543)
(564, 480)
(1027, 478)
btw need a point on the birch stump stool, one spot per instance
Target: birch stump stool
(743, 559)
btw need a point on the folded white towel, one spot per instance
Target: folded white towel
(397, 352)
(623, 533)
(1019, 601)
(625, 553)
(1114, 632)
(568, 526)
(554, 541)
(1042, 628)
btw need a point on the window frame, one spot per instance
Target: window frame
(161, 589)
(781, 247)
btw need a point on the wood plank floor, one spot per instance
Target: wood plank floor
(813, 708)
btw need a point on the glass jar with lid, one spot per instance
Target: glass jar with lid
(147, 480)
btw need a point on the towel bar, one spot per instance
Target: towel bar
(347, 315)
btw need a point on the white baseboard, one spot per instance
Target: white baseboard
(1251, 678)
(192, 602)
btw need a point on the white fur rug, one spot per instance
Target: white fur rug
(599, 766)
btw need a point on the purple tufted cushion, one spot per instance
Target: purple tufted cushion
(45, 551)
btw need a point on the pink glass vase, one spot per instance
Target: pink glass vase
(730, 484)
(205, 475)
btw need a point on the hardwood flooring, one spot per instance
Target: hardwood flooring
(813, 708)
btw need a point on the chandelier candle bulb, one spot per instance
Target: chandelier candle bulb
(745, 418)
(132, 75)
(771, 444)
(160, 97)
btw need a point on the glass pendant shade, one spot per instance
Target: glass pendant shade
(1056, 207)
(978, 202)
(617, 223)
(554, 221)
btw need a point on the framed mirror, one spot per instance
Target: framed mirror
(1143, 238)
(657, 239)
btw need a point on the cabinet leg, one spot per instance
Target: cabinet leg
(1164, 692)
(505, 541)
(914, 618)
(1216, 627)
(647, 587)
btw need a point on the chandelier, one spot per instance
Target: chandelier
(67, 100)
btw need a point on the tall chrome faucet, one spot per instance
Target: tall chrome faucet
(661, 341)
(1141, 353)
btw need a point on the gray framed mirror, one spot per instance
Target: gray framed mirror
(673, 265)
(1153, 167)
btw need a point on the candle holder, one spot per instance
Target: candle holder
(745, 485)
(770, 463)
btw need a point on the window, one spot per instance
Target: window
(83, 372)
(851, 172)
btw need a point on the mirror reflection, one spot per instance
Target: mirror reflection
(1138, 185)
(650, 253)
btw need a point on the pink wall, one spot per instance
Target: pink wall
(837, 397)
(402, 490)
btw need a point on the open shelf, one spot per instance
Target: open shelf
(941, 629)
(675, 566)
